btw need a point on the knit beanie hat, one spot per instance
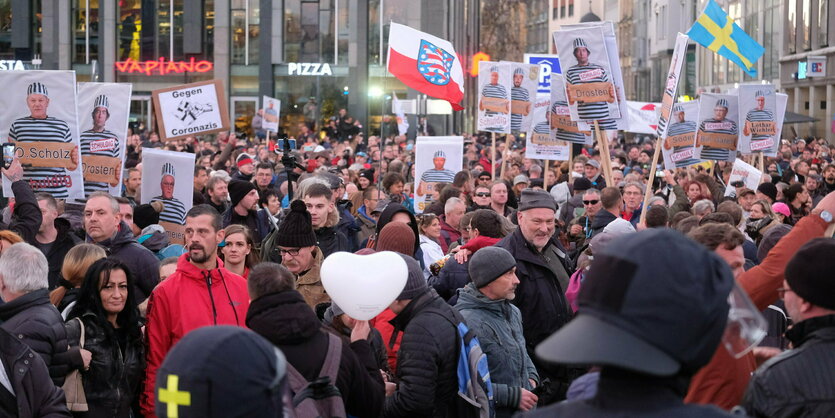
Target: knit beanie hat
(488, 264)
(415, 283)
(243, 159)
(809, 273)
(238, 189)
(144, 215)
(397, 237)
(296, 230)
(768, 189)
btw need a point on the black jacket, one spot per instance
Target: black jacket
(36, 394)
(26, 218)
(798, 382)
(35, 322)
(452, 277)
(59, 249)
(256, 221)
(426, 361)
(603, 218)
(141, 261)
(286, 321)
(330, 240)
(113, 383)
(374, 338)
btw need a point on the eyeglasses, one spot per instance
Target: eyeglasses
(294, 252)
(781, 292)
(590, 202)
(483, 194)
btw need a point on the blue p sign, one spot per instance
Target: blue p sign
(548, 64)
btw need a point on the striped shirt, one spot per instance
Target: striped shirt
(590, 111)
(542, 128)
(103, 143)
(496, 91)
(174, 211)
(433, 176)
(522, 94)
(681, 128)
(562, 134)
(760, 116)
(719, 154)
(53, 180)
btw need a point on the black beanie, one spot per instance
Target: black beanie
(144, 215)
(809, 273)
(296, 230)
(238, 189)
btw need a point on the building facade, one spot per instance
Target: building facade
(331, 53)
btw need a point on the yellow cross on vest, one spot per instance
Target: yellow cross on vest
(172, 397)
(722, 37)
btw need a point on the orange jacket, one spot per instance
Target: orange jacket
(722, 382)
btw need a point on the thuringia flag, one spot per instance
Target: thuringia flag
(426, 63)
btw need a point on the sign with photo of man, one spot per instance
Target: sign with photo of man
(164, 175)
(718, 132)
(541, 139)
(757, 114)
(437, 159)
(559, 116)
(103, 110)
(38, 113)
(678, 147)
(494, 96)
(271, 114)
(191, 109)
(524, 83)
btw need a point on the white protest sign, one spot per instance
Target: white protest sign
(166, 177)
(671, 85)
(524, 83)
(678, 147)
(643, 117)
(103, 110)
(191, 109)
(718, 132)
(437, 159)
(757, 115)
(541, 140)
(272, 114)
(745, 173)
(493, 97)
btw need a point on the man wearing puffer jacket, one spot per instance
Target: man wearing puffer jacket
(485, 304)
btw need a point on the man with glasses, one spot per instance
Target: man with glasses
(633, 196)
(296, 248)
(581, 227)
(481, 198)
(484, 178)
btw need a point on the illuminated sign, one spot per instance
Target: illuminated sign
(308, 68)
(163, 67)
(477, 57)
(11, 65)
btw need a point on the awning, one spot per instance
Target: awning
(792, 117)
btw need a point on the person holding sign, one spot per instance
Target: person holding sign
(174, 210)
(591, 100)
(45, 166)
(520, 105)
(680, 137)
(100, 142)
(759, 123)
(718, 135)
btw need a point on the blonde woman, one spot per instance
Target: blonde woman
(76, 263)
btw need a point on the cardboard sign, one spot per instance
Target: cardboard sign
(47, 154)
(673, 75)
(717, 140)
(758, 117)
(761, 128)
(176, 233)
(191, 109)
(590, 93)
(102, 169)
(167, 177)
(520, 107)
(679, 144)
(563, 122)
(495, 105)
(427, 148)
(542, 142)
(683, 140)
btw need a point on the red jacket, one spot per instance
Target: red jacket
(448, 234)
(722, 382)
(182, 303)
(381, 323)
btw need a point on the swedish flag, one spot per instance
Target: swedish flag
(716, 31)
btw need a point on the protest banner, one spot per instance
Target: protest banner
(38, 113)
(160, 173)
(757, 114)
(560, 119)
(493, 96)
(746, 173)
(437, 159)
(523, 86)
(678, 147)
(191, 109)
(643, 117)
(541, 139)
(272, 114)
(671, 85)
(718, 131)
(103, 110)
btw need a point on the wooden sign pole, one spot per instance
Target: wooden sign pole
(545, 176)
(493, 158)
(603, 143)
(652, 168)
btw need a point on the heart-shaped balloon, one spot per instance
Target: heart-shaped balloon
(364, 285)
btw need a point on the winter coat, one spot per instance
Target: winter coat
(142, 262)
(603, 218)
(26, 218)
(449, 234)
(426, 362)
(378, 347)
(330, 240)
(723, 380)
(256, 221)
(34, 391)
(431, 253)
(38, 324)
(798, 382)
(285, 320)
(455, 275)
(567, 210)
(682, 203)
(58, 250)
(154, 238)
(114, 381)
(498, 325)
(348, 225)
(190, 298)
(309, 284)
(366, 223)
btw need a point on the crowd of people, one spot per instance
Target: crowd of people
(585, 301)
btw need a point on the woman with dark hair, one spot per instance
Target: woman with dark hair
(238, 249)
(106, 313)
(799, 201)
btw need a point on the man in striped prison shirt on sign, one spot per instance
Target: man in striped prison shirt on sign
(174, 211)
(760, 141)
(683, 155)
(586, 72)
(100, 142)
(435, 175)
(719, 124)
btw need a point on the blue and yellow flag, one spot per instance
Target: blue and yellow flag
(716, 31)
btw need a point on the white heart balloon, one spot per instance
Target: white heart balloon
(364, 285)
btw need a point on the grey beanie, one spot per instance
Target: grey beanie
(415, 282)
(532, 199)
(488, 264)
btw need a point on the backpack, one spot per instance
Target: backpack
(319, 398)
(475, 390)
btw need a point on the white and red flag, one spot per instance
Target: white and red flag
(426, 63)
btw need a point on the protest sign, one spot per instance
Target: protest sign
(272, 114)
(643, 117)
(541, 140)
(745, 173)
(191, 109)
(524, 83)
(757, 114)
(564, 128)
(782, 101)
(38, 113)
(671, 85)
(678, 145)
(493, 96)
(548, 64)
(718, 131)
(103, 110)
(160, 173)
(437, 159)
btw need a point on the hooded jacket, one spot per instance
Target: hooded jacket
(190, 298)
(603, 218)
(330, 240)
(58, 250)
(142, 262)
(386, 216)
(153, 237)
(285, 320)
(309, 283)
(34, 391)
(367, 224)
(498, 325)
(455, 275)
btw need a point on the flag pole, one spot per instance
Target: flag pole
(648, 191)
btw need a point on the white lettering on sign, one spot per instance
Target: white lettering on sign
(103, 145)
(719, 126)
(11, 65)
(591, 75)
(309, 68)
